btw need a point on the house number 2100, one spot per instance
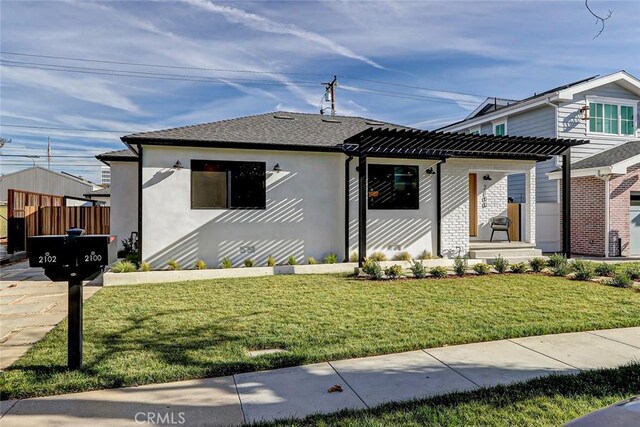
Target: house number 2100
(92, 258)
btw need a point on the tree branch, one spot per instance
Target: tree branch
(599, 19)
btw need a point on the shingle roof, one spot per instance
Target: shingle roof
(609, 157)
(275, 128)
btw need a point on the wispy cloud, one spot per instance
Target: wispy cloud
(264, 24)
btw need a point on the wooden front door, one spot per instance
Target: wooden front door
(473, 205)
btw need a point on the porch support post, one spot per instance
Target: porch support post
(439, 209)
(566, 203)
(362, 209)
(347, 163)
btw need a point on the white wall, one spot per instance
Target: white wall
(304, 215)
(393, 231)
(124, 199)
(548, 235)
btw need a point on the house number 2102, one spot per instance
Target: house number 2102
(46, 258)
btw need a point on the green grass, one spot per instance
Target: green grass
(549, 401)
(168, 332)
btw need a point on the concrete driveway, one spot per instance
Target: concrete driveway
(30, 306)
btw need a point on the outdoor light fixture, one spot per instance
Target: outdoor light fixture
(430, 171)
(277, 168)
(178, 165)
(486, 178)
(585, 113)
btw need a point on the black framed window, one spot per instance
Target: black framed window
(393, 187)
(228, 185)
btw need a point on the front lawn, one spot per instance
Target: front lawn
(548, 401)
(169, 332)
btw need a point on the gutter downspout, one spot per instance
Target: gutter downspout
(346, 207)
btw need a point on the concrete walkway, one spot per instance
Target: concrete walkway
(30, 306)
(303, 390)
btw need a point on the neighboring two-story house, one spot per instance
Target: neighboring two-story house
(605, 217)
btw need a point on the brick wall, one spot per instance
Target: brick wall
(587, 216)
(621, 188)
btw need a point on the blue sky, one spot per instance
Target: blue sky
(474, 49)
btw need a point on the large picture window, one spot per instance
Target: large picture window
(228, 185)
(393, 187)
(611, 118)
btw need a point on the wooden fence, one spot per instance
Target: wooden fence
(17, 200)
(45, 220)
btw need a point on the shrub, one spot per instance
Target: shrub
(605, 269)
(425, 255)
(481, 268)
(537, 264)
(271, 261)
(620, 280)
(418, 269)
(292, 260)
(460, 265)
(438, 272)
(249, 262)
(372, 269)
(519, 268)
(394, 272)
(124, 267)
(561, 270)
(172, 264)
(353, 257)
(226, 263)
(133, 258)
(201, 265)
(311, 260)
(330, 259)
(633, 273)
(402, 256)
(583, 270)
(145, 266)
(556, 260)
(500, 264)
(378, 256)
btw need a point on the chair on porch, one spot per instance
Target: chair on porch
(500, 223)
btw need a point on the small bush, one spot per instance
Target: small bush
(519, 268)
(460, 265)
(620, 280)
(201, 265)
(537, 264)
(605, 269)
(561, 270)
(172, 264)
(311, 260)
(372, 269)
(249, 262)
(271, 261)
(439, 272)
(145, 266)
(353, 257)
(418, 269)
(330, 259)
(292, 260)
(402, 256)
(501, 265)
(133, 258)
(556, 260)
(633, 273)
(583, 270)
(394, 272)
(124, 267)
(378, 256)
(425, 255)
(226, 263)
(481, 268)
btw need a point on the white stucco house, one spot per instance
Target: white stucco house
(606, 187)
(287, 184)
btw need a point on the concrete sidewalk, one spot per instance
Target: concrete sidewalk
(300, 391)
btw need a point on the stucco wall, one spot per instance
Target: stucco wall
(124, 199)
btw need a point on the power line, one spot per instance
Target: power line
(69, 129)
(53, 164)
(52, 156)
(413, 87)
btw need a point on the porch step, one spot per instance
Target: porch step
(505, 253)
(511, 260)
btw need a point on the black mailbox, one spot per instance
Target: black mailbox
(73, 257)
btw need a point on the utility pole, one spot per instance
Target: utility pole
(331, 91)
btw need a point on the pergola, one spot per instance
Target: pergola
(440, 146)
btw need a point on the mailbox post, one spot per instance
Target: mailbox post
(72, 257)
